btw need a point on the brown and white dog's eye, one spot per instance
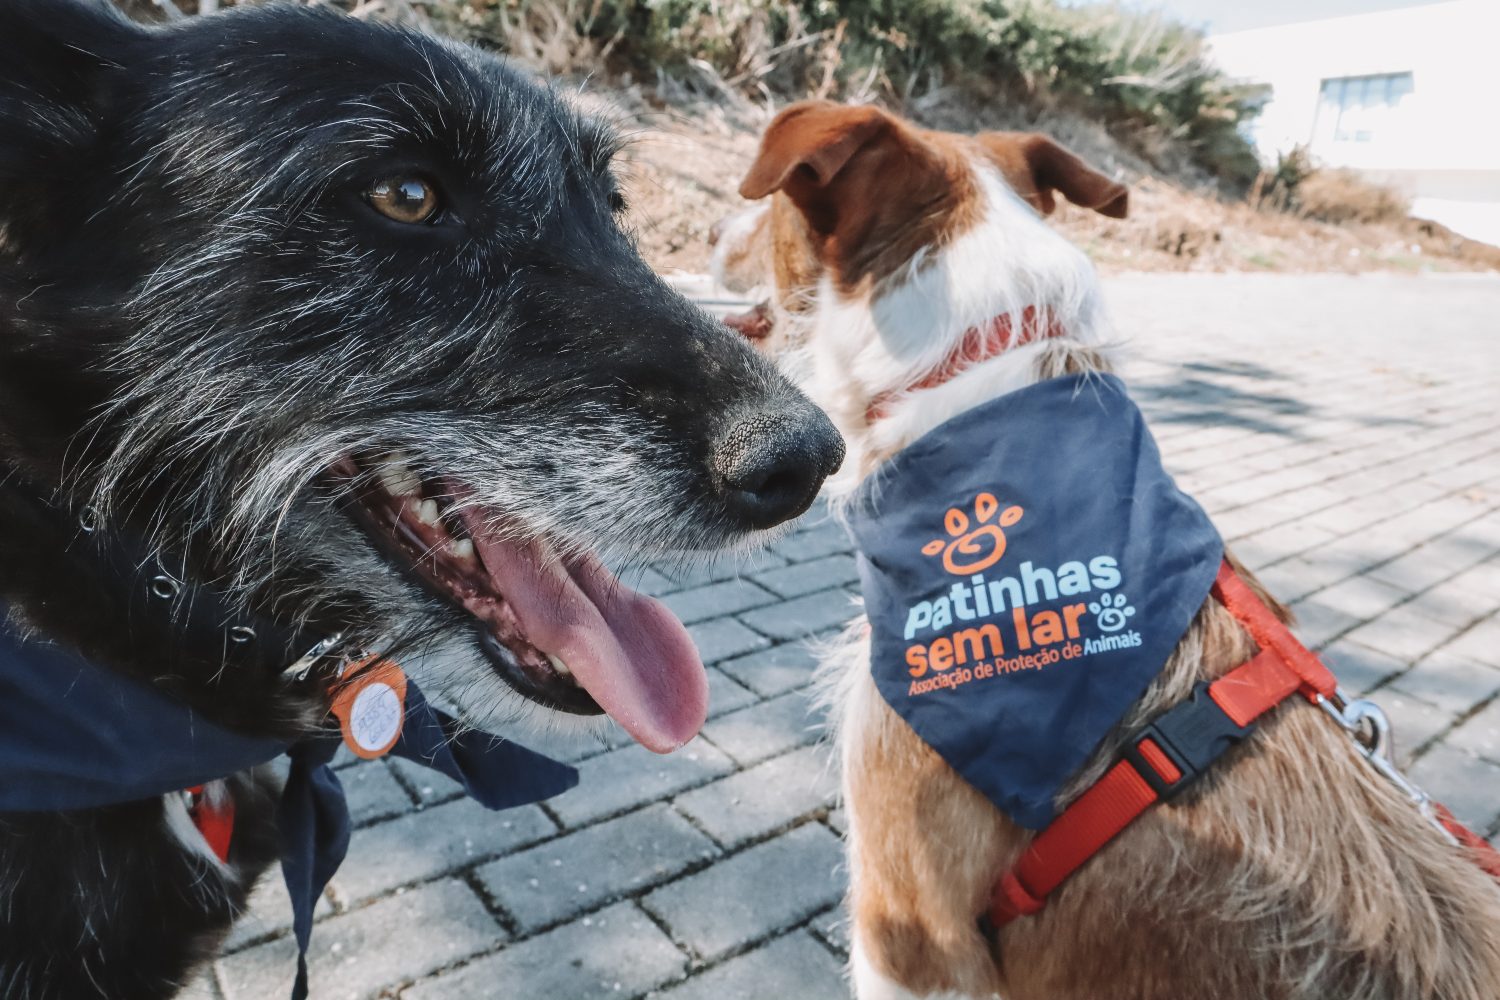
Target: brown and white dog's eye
(412, 200)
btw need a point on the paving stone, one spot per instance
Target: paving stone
(833, 928)
(769, 728)
(1413, 722)
(1294, 579)
(764, 798)
(1480, 734)
(1453, 683)
(354, 955)
(1455, 602)
(803, 616)
(1318, 624)
(557, 880)
(268, 912)
(1360, 668)
(753, 894)
(1468, 786)
(814, 540)
(433, 842)
(1265, 548)
(1481, 642)
(725, 695)
(430, 787)
(724, 637)
(804, 578)
(202, 988)
(839, 820)
(632, 776)
(1403, 633)
(790, 967)
(1483, 579)
(774, 671)
(617, 952)
(649, 581)
(1416, 570)
(1361, 597)
(570, 746)
(373, 793)
(717, 600)
(728, 567)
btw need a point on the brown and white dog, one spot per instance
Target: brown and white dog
(1292, 870)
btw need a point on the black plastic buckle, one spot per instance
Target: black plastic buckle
(1191, 734)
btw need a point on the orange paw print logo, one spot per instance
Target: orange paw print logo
(971, 549)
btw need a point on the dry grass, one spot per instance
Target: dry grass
(685, 164)
(1342, 197)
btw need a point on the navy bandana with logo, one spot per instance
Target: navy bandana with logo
(1028, 568)
(75, 735)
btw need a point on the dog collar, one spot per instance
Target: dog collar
(1028, 567)
(979, 343)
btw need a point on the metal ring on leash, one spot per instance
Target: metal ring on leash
(165, 587)
(89, 520)
(1370, 731)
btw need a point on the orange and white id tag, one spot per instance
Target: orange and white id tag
(370, 702)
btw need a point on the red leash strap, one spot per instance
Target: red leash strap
(1167, 755)
(215, 820)
(1480, 851)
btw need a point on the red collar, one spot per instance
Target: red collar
(979, 343)
(1167, 755)
(211, 808)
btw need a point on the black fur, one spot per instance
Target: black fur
(199, 313)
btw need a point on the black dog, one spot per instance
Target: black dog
(335, 327)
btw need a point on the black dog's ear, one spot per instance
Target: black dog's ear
(54, 58)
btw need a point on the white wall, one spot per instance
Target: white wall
(1441, 145)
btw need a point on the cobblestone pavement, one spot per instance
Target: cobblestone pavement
(1345, 433)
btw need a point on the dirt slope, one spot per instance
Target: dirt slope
(685, 161)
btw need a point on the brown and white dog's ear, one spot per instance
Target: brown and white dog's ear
(1036, 166)
(805, 150)
(813, 138)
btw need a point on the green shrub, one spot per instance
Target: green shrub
(1144, 76)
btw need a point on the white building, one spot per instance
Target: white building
(1407, 97)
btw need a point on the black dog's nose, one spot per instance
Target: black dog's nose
(771, 464)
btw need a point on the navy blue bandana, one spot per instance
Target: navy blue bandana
(1028, 567)
(74, 735)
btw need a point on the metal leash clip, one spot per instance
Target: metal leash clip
(303, 665)
(1370, 730)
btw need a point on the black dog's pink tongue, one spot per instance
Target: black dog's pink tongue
(626, 650)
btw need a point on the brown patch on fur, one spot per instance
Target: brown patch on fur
(871, 190)
(859, 192)
(1035, 166)
(1292, 871)
(796, 268)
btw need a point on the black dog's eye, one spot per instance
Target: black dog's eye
(616, 202)
(411, 200)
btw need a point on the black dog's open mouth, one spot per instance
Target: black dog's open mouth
(560, 630)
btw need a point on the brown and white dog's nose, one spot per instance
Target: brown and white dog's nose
(770, 465)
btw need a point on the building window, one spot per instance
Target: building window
(1360, 108)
